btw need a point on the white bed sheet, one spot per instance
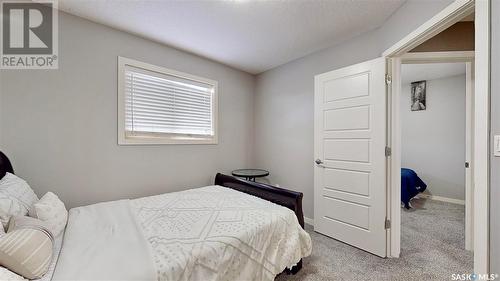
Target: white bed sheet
(103, 242)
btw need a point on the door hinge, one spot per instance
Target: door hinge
(387, 223)
(388, 79)
(387, 151)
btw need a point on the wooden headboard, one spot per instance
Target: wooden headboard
(284, 197)
(5, 165)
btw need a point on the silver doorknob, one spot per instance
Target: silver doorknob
(319, 163)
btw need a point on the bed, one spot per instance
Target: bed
(411, 185)
(232, 230)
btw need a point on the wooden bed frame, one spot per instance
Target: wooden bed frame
(287, 198)
(5, 165)
(284, 197)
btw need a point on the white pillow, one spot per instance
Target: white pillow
(51, 210)
(16, 198)
(9, 207)
(6, 274)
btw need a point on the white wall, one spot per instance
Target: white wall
(284, 100)
(433, 140)
(59, 127)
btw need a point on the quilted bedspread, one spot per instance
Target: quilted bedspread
(216, 233)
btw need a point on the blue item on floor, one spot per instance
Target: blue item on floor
(411, 185)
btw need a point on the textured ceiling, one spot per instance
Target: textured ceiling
(253, 36)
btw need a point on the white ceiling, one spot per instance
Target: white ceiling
(253, 36)
(417, 72)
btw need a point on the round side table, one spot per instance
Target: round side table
(250, 174)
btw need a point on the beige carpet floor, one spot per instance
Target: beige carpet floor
(432, 248)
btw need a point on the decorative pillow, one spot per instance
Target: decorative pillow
(26, 251)
(51, 210)
(16, 198)
(19, 222)
(8, 275)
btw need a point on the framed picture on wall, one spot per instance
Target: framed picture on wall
(418, 96)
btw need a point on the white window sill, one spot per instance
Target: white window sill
(136, 140)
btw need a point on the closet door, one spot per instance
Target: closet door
(349, 148)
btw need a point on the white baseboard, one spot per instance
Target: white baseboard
(309, 221)
(443, 199)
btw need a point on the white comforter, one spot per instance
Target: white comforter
(209, 233)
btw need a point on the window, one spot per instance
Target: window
(161, 106)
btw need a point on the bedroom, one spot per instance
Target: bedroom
(59, 126)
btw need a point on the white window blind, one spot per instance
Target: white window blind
(159, 104)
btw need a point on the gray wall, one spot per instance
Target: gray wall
(59, 127)
(495, 129)
(284, 98)
(438, 130)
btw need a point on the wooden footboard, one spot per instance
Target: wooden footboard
(284, 197)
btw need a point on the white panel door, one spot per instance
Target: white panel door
(349, 148)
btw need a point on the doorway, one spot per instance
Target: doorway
(434, 110)
(396, 55)
(439, 65)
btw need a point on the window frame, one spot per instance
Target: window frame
(154, 138)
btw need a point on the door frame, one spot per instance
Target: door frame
(447, 17)
(466, 57)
